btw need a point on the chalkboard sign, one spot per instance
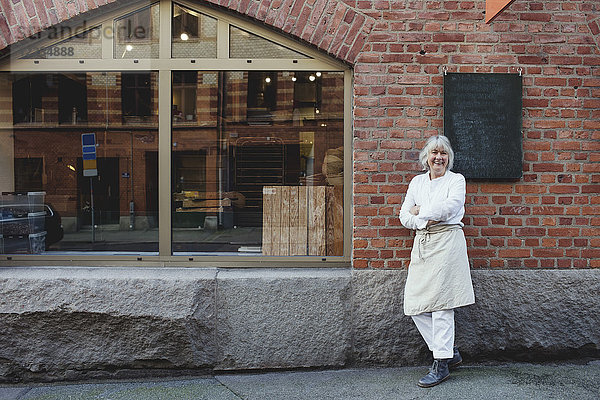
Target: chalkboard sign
(482, 120)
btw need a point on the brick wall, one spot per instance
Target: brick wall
(548, 219)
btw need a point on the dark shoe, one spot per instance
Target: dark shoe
(438, 373)
(456, 360)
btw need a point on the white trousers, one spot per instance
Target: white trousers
(437, 328)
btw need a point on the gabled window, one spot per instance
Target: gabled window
(193, 34)
(243, 44)
(137, 34)
(84, 45)
(206, 136)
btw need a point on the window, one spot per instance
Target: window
(72, 99)
(115, 210)
(225, 174)
(185, 85)
(193, 34)
(35, 97)
(136, 97)
(84, 45)
(137, 34)
(212, 137)
(244, 44)
(262, 96)
(28, 91)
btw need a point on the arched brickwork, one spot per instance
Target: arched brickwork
(594, 26)
(330, 25)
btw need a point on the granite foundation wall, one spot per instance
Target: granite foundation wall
(525, 315)
(74, 323)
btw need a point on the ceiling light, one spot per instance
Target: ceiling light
(311, 78)
(318, 74)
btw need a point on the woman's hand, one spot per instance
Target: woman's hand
(415, 210)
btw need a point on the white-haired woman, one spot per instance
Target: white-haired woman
(439, 278)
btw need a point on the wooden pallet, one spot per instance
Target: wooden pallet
(302, 220)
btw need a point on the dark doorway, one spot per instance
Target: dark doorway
(106, 193)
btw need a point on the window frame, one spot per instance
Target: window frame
(164, 65)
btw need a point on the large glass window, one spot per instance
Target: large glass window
(250, 125)
(243, 44)
(114, 210)
(193, 34)
(137, 34)
(84, 45)
(268, 183)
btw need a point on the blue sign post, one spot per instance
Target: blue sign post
(90, 168)
(88, 146)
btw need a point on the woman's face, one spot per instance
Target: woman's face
(438, 162)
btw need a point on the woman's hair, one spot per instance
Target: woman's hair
(436, 142)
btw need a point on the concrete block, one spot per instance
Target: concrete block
(532, 315)
(283, 318)
(58, 321)
(518, 315)
(383, 335)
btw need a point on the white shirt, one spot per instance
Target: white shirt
(441, 199)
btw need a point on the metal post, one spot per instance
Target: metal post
(92, 204)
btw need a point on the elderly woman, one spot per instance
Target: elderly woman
(439, 278)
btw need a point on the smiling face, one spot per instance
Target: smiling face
(437, 160)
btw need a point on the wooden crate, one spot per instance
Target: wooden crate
(302, 220)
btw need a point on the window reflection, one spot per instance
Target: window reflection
(243, 44)
(193, 34)
(262, 96)
(33, 94)
(83, 45)
(136, 97)
(261, 171)
(184, 97)
(137, 34)
(42, 151)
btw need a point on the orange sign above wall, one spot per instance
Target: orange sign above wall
(495, 7)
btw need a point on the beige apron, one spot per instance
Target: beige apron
(439, 276)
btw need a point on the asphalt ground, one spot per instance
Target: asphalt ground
(569, 381)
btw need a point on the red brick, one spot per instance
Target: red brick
(516, 38)
(448, 37)
(541, 17)
(564, 189)
(590, 189)
(514, 253)
(515, 210)
(530, 231)
(548, 210)
(496, 231)
(548, 167)
(548, 253)
(550, 81)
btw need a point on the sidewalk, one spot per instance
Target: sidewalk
(488, 382)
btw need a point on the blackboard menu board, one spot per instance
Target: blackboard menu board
(482, 120)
